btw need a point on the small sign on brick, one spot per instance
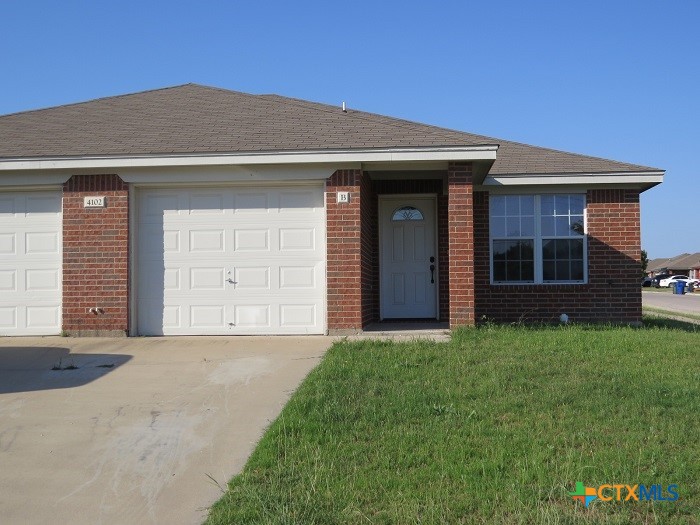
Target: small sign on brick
(95, 202)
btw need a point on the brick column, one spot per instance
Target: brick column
(461, 243)
(614, 251)
(96, 257)
(344, 253)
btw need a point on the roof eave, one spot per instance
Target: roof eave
(642, 180)
(443, 153)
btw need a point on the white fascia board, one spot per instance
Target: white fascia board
(226, 174)
(41, 179)
(459, 153)
(564, 179)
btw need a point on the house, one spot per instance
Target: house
(683, 264)
(197, 210)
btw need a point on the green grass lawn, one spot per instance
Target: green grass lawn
(495, 427)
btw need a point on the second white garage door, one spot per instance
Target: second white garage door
(30, 263)
(231, 261)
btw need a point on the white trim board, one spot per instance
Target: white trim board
(462, 153)
(588, 179)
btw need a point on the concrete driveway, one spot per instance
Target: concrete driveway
(686, 303)
(134, 432)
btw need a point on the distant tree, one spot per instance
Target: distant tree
(645, 263)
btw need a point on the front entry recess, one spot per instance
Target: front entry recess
(408, 259)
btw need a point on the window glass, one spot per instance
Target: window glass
(497, 205)
(527, 205)
(562, 260)
(513, 261)
(407, 213)
(521, 253)
(547, 205)
(577, 203)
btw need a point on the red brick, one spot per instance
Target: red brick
(95, 254)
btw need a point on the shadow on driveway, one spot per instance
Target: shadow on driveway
(27, 369)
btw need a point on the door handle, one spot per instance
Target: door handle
(432, 273)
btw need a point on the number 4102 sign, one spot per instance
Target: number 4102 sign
(94, 202)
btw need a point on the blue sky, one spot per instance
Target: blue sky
(615, 79)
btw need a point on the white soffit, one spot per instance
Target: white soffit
(635, 178)
(40, 179)
(461, 153)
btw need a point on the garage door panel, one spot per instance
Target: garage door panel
(30, 263)
(8, 244)
(38, 242)
(8, 280)
(251, 240)
(155, 206)
(42, 280)
(43, 207)
(297, 277)
(299, 201)
(252, 316)
(206, 240)
(252, 277)
(8, 317)
(293, 239)
(298, 315)
(251, 202)
(206, 279)
(241, 261)
(206, 204)
(40, 317)
(207, 316)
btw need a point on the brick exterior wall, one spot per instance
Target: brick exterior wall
(344, 265)
(96, 256)
(460, 240)
(352, 245)
(369, 257)
(612, 294)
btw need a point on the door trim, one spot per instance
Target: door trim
(394, 196)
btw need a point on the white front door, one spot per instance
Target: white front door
(408, 261)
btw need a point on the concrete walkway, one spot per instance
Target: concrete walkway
(134, 432)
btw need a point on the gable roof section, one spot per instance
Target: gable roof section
(684, 261)
(198, 120)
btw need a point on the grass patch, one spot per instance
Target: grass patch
(494, 427)
(665, 289)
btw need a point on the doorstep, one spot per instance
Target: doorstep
(401, 332)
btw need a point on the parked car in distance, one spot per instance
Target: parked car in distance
(657, 278)
(646, 282)
(669, 281)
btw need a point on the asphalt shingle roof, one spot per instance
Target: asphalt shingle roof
(684, 261)
(193, 119)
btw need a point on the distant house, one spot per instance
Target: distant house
(683, 264)
(196, 210)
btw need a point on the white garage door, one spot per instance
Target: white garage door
(30, 263)
(231, 261)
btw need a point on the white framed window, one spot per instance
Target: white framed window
(538, 239)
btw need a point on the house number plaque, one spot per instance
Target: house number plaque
(94, 202)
